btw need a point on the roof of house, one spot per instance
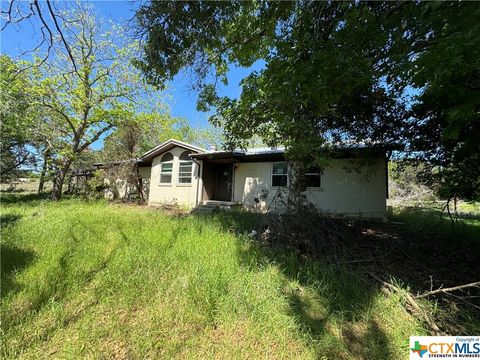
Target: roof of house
(278, 153)
(258, 154)
(255, 154)
(167, 145)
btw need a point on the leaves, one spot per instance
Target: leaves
(17, 114)
(334, 73)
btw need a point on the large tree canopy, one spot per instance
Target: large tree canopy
(85, 98)
(330, 72)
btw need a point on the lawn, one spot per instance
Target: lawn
(433, 217)
(91, 279)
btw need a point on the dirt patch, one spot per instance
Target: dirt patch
(423, 261)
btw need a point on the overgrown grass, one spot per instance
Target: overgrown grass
(432, 220)
(89, 279)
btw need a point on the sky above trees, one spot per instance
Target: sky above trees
(181, 99)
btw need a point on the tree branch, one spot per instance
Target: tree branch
(65, 116)
(95, 137)
(445, 290)
(67, 47)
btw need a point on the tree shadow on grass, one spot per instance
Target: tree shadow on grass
(9, 219)
(331, 306)
(13, 260)
(24, 199)
(57, 285)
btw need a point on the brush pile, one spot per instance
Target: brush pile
(305, 229)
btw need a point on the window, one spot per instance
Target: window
(313, 177)
(166, 169)
(185, 168)
(279, 174)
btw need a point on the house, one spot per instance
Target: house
(355, 184)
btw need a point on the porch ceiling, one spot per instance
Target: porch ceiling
(237, 157)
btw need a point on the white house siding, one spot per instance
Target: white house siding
(343, 191)
(184, 194)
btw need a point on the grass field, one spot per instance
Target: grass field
(88, 279)
(29, 187)
(466, 224)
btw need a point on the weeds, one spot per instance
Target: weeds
(88, 279)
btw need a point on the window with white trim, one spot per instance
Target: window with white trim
(166, 168)
(279, 174)
(313, 178)
(185, 168)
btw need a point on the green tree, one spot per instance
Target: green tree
(439, 57)
(147, 129)
(334, 73)
(17, 116)
(88, 88)
(318, 86)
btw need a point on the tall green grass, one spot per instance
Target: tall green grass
(432, 220)
(89, 279)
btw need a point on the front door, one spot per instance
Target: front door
(223, 184)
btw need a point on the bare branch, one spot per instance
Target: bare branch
(96, 137)
(10, 20)
(446, 290)
(61, 113)
(65, 43)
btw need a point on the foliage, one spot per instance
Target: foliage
(409, 183)
(84, 277)
(18, 116)
(148, 129)
(443, 62)
(333, 73)
(431, 220)
(317, 84)
(133, 138)
(90, 95)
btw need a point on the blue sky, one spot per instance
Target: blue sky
(181, 100)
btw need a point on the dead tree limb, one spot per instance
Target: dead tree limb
(445, 290)
(412, 303)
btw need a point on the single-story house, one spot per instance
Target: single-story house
(185, 174)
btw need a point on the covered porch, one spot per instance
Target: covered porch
(218, 179)
(218, 173)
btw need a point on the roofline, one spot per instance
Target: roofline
(238, 154)
(185, 145)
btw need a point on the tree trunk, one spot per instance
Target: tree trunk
(297, 186)
(59, 180)
(42, 175)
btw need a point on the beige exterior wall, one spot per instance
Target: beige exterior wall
(343, 189)
(184, 194)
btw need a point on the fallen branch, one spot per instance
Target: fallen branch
(358, 261)
(413, 304)
(445, 290)
(465, 301)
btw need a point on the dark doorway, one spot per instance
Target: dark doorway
(224, 181)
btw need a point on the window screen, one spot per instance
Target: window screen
(166, 168)
(279, 174)
(185, 168)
